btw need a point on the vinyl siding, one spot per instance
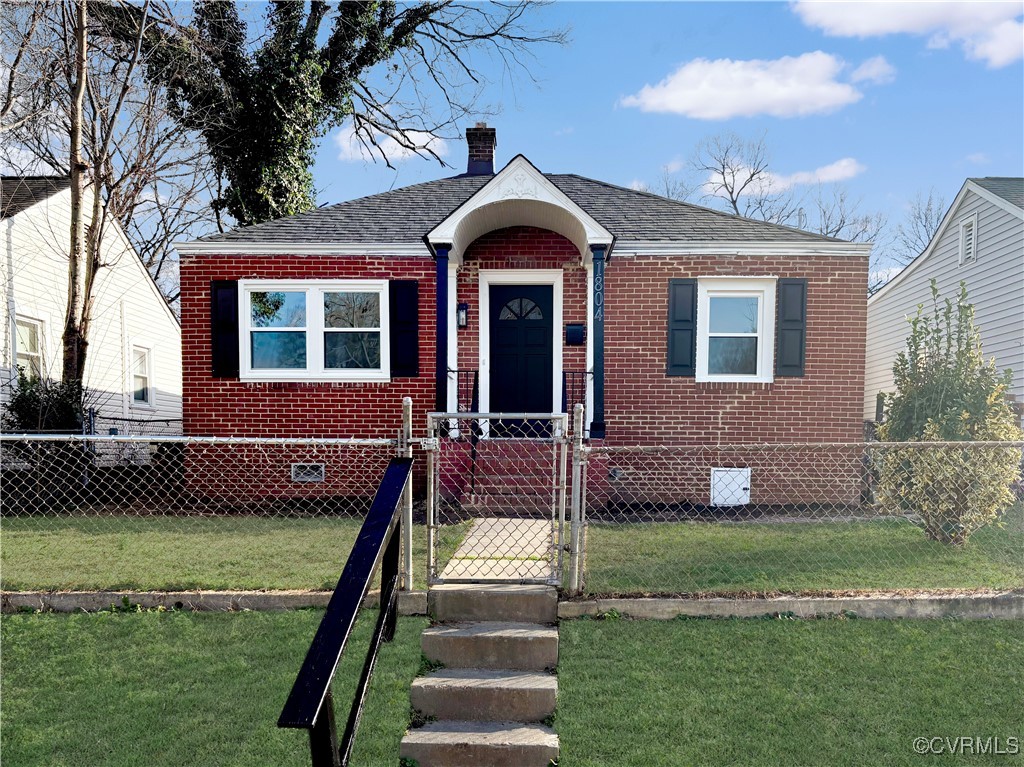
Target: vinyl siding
(128, 311)
(995, 285)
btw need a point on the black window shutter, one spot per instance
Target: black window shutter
(682, 328)
(224, 328)
(791, 327)
(403, 300)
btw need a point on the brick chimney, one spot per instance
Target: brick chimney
(481, 141)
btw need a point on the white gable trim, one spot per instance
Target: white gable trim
(947, 220)
(518, 195)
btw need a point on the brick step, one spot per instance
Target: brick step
(493, 602)
(520, 646)
(480, 744)
(490, 695)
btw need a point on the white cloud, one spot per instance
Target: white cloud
(977, 158)
(987, 31)
(774, 183)
(637, 185)
(875, 70)
(350, 149)
(792, 86)
(673, 166)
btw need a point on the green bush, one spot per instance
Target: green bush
(946, 391)
(37, 404)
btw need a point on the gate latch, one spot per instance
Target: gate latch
(429, 443)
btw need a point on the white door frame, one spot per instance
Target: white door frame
(490, 277)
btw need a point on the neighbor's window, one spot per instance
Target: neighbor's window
(969, 240)
(142, 389)
(29, 346)
(316, 329)
(735, 329)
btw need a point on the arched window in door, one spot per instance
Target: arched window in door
(521, 309)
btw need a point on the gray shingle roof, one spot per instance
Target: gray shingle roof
(20, 192)
(1009, 188)
(405, 215)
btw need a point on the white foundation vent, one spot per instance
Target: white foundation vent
(730, 487)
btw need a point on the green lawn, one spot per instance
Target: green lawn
(793, 693)
(167, 553)
(692, 557)
(183, 689)
(206, 689)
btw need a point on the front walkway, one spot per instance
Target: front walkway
(497, 549)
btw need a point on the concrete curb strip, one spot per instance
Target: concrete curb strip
(409, 603)
(1005, 605)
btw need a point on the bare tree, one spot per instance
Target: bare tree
(839, 216)
(23, 86)
(737, 173)
(916, 230)
(145, 170)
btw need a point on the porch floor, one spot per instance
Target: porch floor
(503, 549)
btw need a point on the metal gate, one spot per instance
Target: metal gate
(496, 492)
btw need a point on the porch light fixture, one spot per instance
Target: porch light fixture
(462, 315)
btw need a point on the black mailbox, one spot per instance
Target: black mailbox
(575, 335)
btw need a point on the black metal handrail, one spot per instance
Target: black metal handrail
(467, 390)
(310, 705)
(574, 388)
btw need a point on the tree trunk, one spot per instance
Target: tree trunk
(73, 341)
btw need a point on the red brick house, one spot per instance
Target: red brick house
(520, 290)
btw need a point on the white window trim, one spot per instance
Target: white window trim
(966, 222)
(133, 403)
(40, 326)
(764, 289)
(314, 371)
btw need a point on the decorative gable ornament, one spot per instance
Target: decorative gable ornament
(519, 195)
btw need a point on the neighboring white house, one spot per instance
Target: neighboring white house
(133, 366)
(980, 242)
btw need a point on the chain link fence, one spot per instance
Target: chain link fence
(801, 518)
(496, 496)
(119, 512)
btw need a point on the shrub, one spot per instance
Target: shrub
(946, 391)
(37, 404)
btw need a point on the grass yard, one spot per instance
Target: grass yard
(779, 692)
(183, 689)
(169, 553)
(690, 557)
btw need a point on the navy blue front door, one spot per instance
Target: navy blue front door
(521, 333)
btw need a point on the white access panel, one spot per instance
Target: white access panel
(730, 487)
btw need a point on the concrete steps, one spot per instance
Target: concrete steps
(498, 602)
(485, 694)
(498, 647)
(518, 646)
(476, 744)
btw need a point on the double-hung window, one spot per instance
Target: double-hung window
(327, 330)
(735, 329)
(142, 389)
(29, 347)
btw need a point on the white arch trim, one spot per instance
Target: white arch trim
(519, 195)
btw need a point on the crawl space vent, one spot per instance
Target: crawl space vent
(307, 472)
(730, 487)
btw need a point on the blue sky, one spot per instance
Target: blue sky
(891, 99)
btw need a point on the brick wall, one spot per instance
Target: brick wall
(229, 407)
(644, 406)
